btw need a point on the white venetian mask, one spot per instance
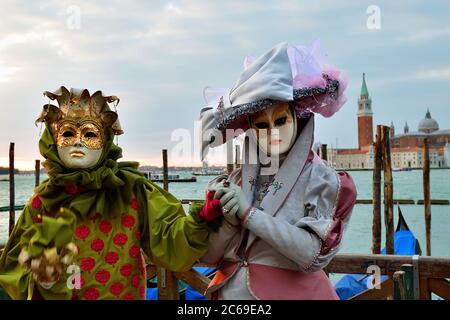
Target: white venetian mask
(275, 129)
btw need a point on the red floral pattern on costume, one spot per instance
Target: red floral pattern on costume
(87, 264)
(135, 281)
(37, 219)
(126, 270)
(120, 239)
(128, 296)
(142, 291)
(102, 276)
(134, 204)
(110, 255)
(116, 288)
(105, 227)
(71, 189)
(112, 258)
(128, 221)
(91, 294)
(36, 202)
(82, 232)
(134, 251)
(97, 245)
(82, 282)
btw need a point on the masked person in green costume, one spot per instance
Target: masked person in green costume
(81, 234)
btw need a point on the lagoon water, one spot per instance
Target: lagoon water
(358, 237)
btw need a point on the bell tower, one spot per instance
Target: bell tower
(365, 115)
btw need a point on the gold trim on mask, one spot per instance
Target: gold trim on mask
(79, 105)
(87, 131)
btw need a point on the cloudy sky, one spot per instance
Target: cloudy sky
(157, 56)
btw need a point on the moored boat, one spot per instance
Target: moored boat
(405, 243)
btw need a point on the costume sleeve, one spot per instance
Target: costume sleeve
(313, 240)
(34, 232)
(171, 238)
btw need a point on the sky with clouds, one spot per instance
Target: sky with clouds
(157, 56)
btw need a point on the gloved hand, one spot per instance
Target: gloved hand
(212, 209)
(48, 268)
(233, 201)
(238, 199)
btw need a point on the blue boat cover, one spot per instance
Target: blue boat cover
(348, 285)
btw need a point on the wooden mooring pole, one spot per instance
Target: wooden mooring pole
(37, 172)
(12, 212)
(229, 146)
(426, 194)
(167, 282)
(323, 152)
(237, 157)
(376, 194)
(388, 190)
(165, 171)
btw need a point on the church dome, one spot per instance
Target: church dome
(428, 124)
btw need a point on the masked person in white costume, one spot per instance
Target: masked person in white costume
(285, 210)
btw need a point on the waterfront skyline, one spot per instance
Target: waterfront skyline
(158, 57)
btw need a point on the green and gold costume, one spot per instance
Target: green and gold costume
(112, 213)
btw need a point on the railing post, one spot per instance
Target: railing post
(426, 194)
(399, 285)
(12, 212)
(167, 283)
(37, 172)
(376, 195)
(409, 281)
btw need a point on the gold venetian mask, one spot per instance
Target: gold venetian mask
(79, 125)
(89, 133)
(80, 144)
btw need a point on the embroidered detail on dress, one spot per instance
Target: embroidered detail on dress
(263, 189)
(252, 181)
(277, 186)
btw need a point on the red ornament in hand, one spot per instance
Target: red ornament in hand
(212, 209)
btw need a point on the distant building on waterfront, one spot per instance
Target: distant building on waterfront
(406, 148)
